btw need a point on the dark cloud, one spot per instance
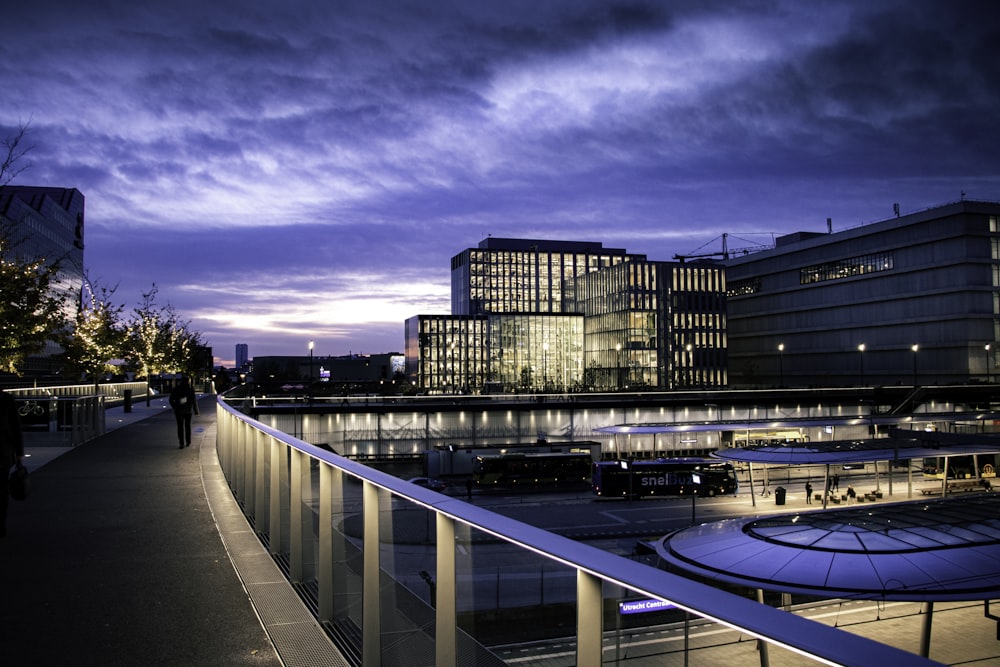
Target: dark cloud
(285, 172)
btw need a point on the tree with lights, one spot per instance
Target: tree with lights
(157, 341)
(31, 308)
(98, 336)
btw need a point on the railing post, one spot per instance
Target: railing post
(295, 516)
(274, 529)
(261, 515)
(371, 610)
(589, 620)
(249, 475)
(324, 568)
(446, 620)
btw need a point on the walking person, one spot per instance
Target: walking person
(836, 482)
(809, 493)
(11, 451)
(185, 405)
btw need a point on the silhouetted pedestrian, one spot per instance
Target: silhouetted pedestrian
(185, 405)
(836, 482)
(11, 451)
(809, 493)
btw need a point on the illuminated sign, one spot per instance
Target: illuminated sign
(643, 606)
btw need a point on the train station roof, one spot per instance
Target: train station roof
(931, 550)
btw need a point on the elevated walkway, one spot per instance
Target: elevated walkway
(131, 551)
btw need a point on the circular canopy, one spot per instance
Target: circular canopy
(917, 551)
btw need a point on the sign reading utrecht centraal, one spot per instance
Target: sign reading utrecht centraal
(643, 606)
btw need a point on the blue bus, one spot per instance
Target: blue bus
(663, 477)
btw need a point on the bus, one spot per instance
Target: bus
(532, 471)
(663, 477)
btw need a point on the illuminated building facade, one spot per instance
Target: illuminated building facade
(482, 353)
(561, 316)
(655, 325)
(523, 275)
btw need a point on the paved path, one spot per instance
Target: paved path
(124, 554)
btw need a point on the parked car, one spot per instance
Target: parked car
(429, 483)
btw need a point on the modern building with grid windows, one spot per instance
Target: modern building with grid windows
(914, 299)
(655, 325)
(562, 316)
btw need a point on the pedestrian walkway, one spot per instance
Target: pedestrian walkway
(130, 551)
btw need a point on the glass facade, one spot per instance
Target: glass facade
(571, 316)
(523, 275)
(447, 353)
(543, 352)
(653, 325)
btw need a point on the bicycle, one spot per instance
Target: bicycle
(30, 408)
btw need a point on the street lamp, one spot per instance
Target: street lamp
(914, 347)
(781, 364)
(690, 364)
(861, 351)
(545, 366)
(618, 366)
(311, 345)
(987, 348)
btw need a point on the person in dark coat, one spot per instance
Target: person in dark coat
(11, 451)
(185, 405)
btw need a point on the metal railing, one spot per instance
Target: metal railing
(61, 422)
(400, 575)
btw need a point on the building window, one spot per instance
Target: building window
(743, 287)
(846, 268)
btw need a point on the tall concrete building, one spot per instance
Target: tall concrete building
(911, 299)
(242, 356)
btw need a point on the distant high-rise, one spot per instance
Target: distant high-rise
(242, 355)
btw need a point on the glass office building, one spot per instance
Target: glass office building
(558, 316)
(523, 275)
(653, 325)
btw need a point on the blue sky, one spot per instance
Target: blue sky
(302, 170)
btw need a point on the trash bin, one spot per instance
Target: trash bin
(779, 496)
(128, 400)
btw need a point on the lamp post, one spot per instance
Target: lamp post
(915, 347)
(311, 345)
(987, 349)
(690, 365)
(861, 352)
(545, 366)
(618, 367)
(781, 364)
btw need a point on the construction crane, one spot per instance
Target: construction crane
(726, 251)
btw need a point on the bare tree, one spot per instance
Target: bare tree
(14, 150)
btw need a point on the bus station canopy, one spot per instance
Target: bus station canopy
(901, 444)
(930, 550)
